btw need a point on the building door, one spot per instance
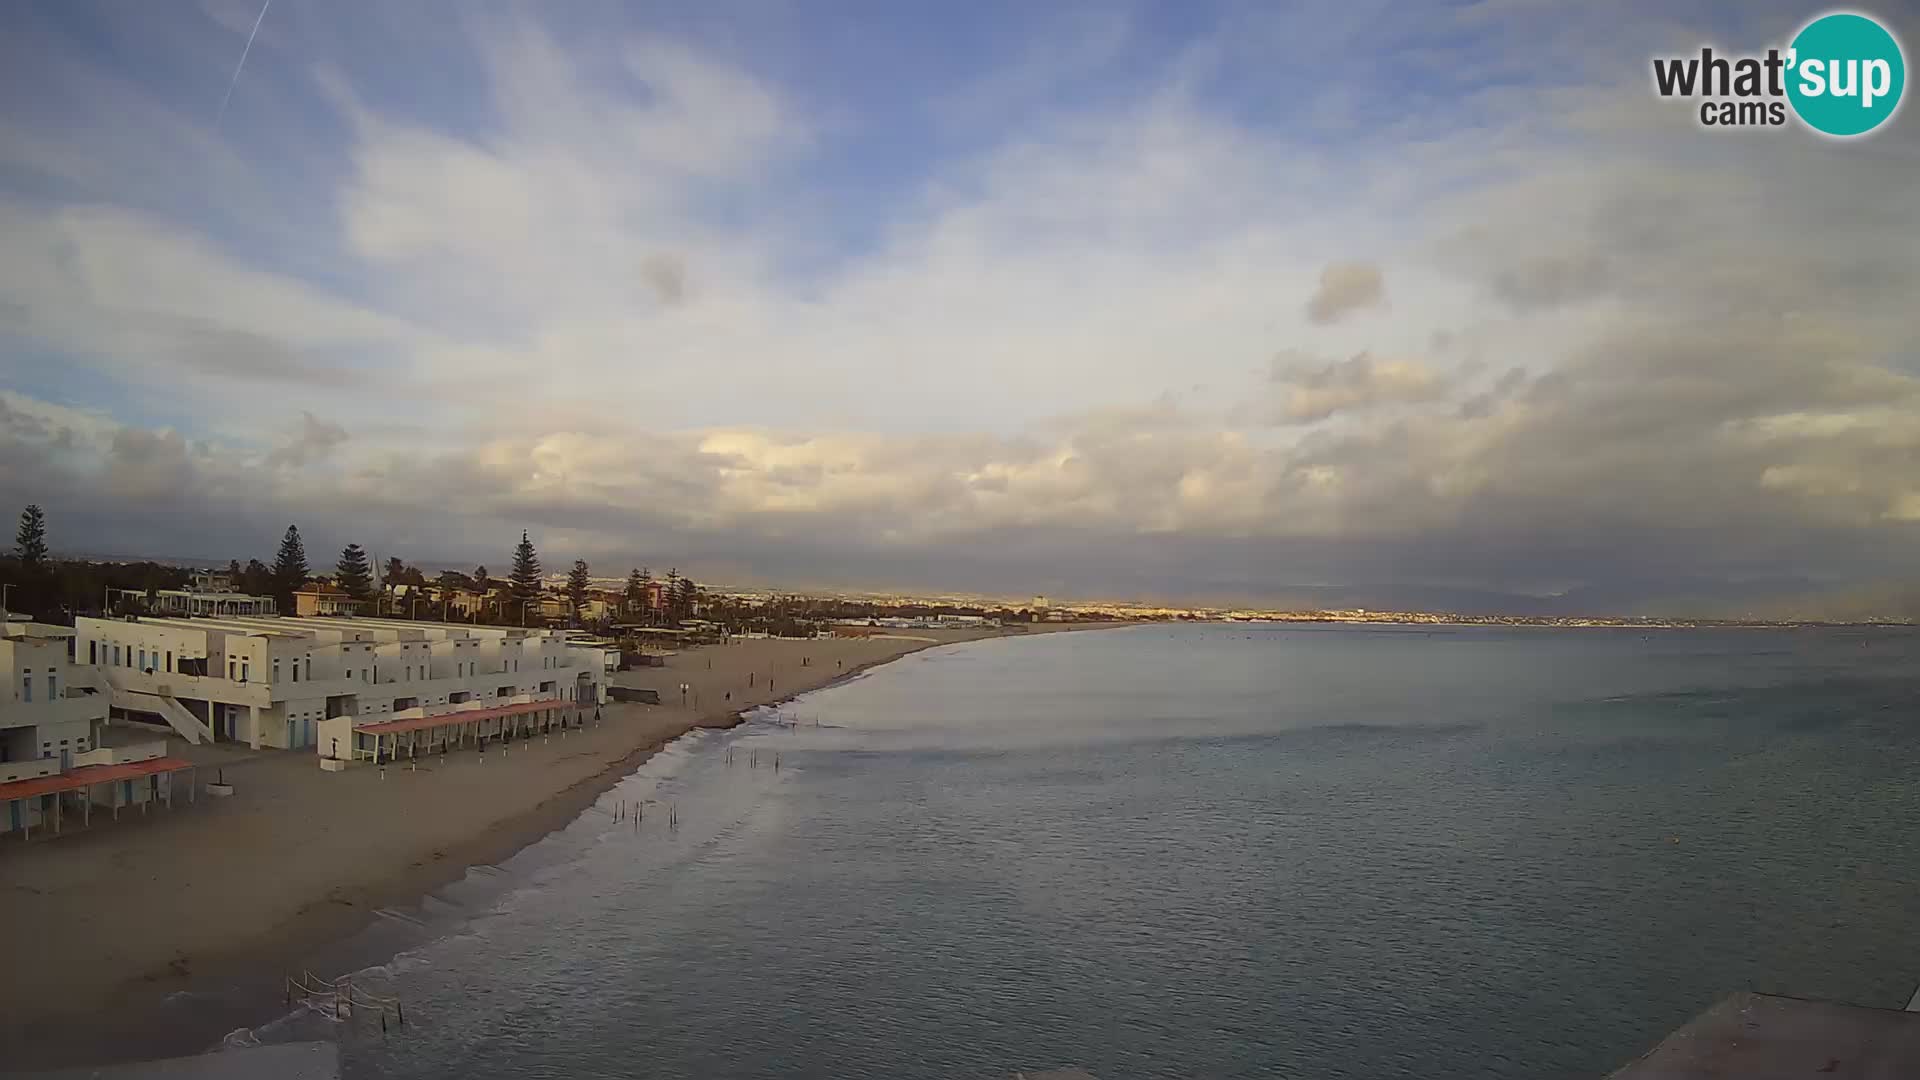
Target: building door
(66, 760)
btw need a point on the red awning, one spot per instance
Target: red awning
(89, 775)
(417, 723)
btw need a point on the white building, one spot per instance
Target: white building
(52, 761)
(47, 715)
(275, 681)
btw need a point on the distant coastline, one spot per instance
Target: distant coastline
(1415, 618)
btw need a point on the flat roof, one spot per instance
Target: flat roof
(89, 775)
(417, 723)
(1765, 1037)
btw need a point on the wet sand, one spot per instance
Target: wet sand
(102, 925)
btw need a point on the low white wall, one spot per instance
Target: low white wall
(28, 770)
(120, 755)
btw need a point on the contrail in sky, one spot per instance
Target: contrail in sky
(235, 81)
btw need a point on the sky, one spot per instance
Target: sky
(1204, 302)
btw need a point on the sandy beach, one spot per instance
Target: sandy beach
(104, 923)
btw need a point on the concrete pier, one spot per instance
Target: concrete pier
(1763, 1037)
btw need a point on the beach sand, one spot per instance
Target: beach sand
(100, 925)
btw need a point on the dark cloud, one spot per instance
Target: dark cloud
(666, 275)
(209, 348)
(148, 465)
(315, 440)
(1552, 281)
(1346, 288)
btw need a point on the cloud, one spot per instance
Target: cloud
(314, 441)
(660, 294)
(666, 275)
(1346, 288)
(1315, 391)
(147, 466)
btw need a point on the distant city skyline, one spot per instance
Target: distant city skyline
(1204, 303)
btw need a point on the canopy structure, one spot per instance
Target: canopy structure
(422, 723)
(452, 728)
(86, 778)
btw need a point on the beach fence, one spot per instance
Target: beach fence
(341, 1001)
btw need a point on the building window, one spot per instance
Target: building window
(169, 666)
(53, 687)
(93, 652)
(116, 656)
(142, 665)
(309, 669)
(296, 671)
(26, 688)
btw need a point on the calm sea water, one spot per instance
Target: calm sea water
(1193, 851)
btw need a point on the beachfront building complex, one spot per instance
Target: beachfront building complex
(278, 682)
(54, 755)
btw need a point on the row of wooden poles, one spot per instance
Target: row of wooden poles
(636, 811)
(339, 999)
(753, 759)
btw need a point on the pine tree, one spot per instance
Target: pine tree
(525, 575)
(30, 542)
(577, 584)
(289, 567)
(636, 591)
(686, 597)
(670, 596)
(256, 579)
(481, 582)
(396, 572)
(353, 574)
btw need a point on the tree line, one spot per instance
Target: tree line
(57, 589)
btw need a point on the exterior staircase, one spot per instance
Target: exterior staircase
(163, 705)
(159, 703)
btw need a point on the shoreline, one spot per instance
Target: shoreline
(129, 1018)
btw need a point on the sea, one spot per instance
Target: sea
(1200, 851)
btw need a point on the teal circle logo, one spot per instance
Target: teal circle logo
(1846, 74)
